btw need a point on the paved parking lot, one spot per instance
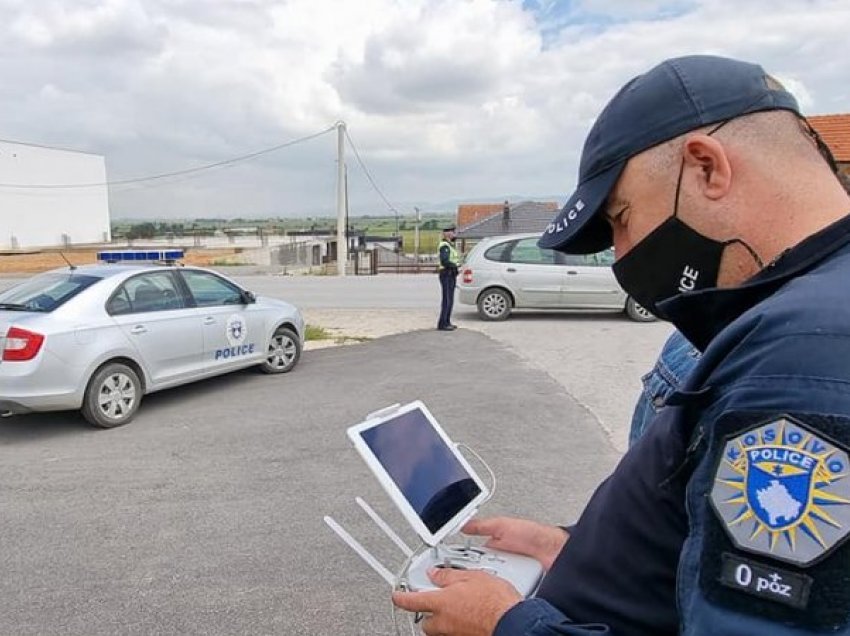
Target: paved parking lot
(597, 357)
(204, 515)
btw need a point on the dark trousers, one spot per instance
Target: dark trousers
(448, 278)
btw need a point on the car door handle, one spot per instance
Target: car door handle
(511, 270)
(209, 320)
(138, 330)
(572, 272)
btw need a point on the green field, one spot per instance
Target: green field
(428, 239)
(429, 232)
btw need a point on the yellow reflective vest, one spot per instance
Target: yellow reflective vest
(454, 259)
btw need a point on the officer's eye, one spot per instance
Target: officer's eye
(620, 216)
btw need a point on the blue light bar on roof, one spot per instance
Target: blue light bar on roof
(139, 256)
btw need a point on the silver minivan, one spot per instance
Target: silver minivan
(511, 272)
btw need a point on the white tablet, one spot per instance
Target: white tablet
(421, 469)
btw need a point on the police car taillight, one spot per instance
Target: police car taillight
(467, 276)
(21, 345)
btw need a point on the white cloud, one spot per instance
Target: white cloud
(445, 99)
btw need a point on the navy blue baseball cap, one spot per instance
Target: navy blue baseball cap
(675, 97)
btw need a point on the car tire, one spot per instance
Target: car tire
(283, 351)
(637, 313)
(112, 396)
(494, 304)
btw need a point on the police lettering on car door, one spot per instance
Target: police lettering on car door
(237, 334)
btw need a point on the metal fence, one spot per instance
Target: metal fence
(390, 262)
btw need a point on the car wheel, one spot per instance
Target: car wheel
(112, 396)
(637, 313)
(283, 352)
(494, 304)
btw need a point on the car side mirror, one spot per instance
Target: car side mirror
(248, 297)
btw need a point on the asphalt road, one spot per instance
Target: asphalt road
(598, 357)
(204, 515)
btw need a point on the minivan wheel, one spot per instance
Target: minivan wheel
(113, 396)
(637, 313)
(494, 304)
(284, 351)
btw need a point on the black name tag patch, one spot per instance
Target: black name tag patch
(765, 581)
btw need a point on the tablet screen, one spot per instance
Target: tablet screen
(423, 467)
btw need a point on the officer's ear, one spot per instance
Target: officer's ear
(708, 164)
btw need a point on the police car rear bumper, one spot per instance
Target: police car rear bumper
(33, 404)
(20, 394)
(8, 407)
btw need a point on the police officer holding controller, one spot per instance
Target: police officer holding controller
(731, 514)
(449, 262)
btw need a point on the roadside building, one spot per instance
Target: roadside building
(469, 213)
(835, 131)
(391, 243)
(37, 215)
(528, 216)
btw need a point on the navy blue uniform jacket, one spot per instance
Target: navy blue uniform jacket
(648, 555)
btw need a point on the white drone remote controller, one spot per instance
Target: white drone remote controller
(437, 492)
(522, 572)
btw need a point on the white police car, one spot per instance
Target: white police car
(99, 337)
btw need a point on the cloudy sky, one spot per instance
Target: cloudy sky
(446, 100)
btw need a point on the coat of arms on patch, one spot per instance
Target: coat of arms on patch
(235, 330)
(782, 490)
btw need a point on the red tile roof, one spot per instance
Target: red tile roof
(835, 130)
(469, 213)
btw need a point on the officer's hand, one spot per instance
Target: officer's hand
(521, 536)
(469, 603)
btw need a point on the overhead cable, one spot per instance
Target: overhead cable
(165, 175)
(369, 175)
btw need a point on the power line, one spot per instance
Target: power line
(165, 175)
(369, 175)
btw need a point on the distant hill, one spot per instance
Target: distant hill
(406, 210)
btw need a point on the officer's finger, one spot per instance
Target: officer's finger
(487, 526)
(442, 577)
(430, 626)
(417, 601)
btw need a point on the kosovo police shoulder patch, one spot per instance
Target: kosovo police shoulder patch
(781, 490)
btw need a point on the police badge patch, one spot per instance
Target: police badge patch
(236, 331)
(781, 490)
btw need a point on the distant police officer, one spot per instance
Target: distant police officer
(449, 262)
(731, 514)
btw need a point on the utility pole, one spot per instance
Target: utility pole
(416, 238)
(341, 239)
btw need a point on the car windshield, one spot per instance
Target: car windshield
(45, 293)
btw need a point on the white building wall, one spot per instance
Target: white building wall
(48, 217)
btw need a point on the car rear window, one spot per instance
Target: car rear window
(46, 292)
(500, 252)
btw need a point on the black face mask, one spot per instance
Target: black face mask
(673, 258)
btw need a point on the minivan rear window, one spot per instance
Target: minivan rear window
(46, 292)
(500, 252)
